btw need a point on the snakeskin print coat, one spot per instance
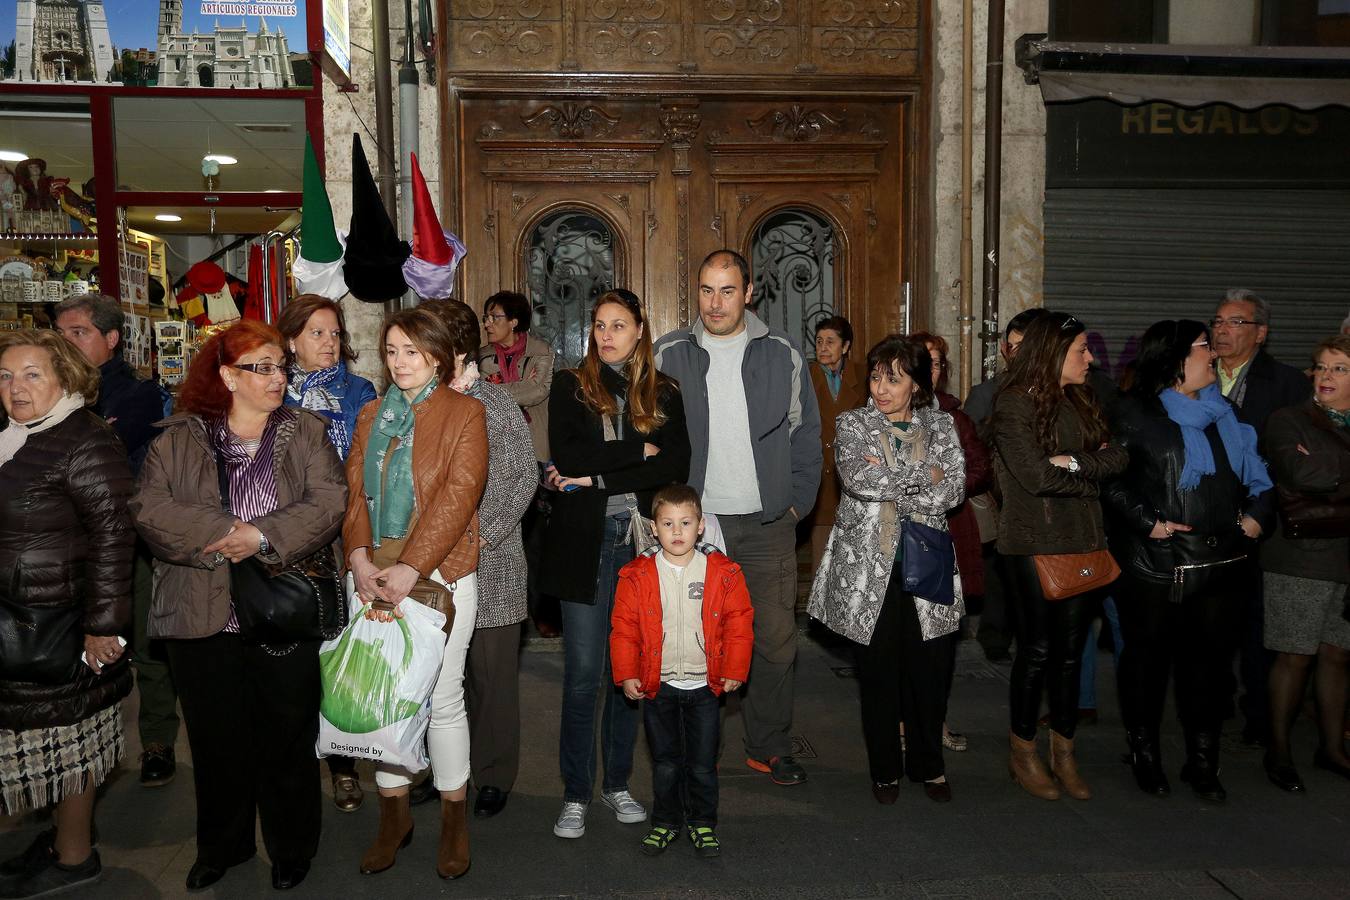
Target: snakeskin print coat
(855, 571)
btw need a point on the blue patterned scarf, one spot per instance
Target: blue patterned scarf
(309, 390)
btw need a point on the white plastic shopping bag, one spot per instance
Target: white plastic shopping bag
(377, 682)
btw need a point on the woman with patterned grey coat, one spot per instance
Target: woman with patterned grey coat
(897, 459)
(492, 682)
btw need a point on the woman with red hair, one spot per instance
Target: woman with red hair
(287, 494)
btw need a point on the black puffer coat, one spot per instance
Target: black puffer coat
(66, 540)
(1147, 492)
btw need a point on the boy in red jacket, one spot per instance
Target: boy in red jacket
(682, 635)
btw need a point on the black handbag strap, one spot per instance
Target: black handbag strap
(223, 479)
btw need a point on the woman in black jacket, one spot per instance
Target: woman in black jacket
(617, 433)
(1051, 455)
(1187, 509)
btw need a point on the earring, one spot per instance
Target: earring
(230, 386)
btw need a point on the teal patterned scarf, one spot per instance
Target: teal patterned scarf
(388, 474)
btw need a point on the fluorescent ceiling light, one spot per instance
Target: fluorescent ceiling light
(12, 156)
(168, 217)
(274, 191)
(221, 158)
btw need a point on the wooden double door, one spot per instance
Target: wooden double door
(564, 196)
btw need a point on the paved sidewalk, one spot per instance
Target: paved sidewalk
(824, 839)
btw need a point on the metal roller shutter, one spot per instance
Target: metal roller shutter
(1122, 259)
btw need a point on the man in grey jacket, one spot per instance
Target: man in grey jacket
(748, 385)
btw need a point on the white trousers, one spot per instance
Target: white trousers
(448, 733)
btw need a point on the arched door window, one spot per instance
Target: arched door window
(205, 77)
(793, 260)
(569, 262)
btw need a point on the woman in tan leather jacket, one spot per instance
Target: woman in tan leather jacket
(413, 515)
(252, 712)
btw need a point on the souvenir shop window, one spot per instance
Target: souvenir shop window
(209, 144)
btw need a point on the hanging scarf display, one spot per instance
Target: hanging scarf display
(1239, 439)
(389, 497)
(310, 391)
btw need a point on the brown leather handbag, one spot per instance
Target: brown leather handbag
(1065, 575)
(426, 592)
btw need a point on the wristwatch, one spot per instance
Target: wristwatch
(1073, 464)
(263, 546)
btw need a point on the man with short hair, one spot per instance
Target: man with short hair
(131, 405)
(1257, 384)
(754, 432)
(979, 403)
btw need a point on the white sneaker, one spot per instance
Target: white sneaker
(571, 821)
(626, 809)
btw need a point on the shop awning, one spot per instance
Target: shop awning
(1187, 75)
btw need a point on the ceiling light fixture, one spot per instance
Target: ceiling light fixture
(221, 158)
(168, 217)
(12, 156)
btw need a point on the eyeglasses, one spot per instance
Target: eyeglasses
(1070, 322)
(1338, 371)
(258, 368)
(492, 317)
(1233, 322)
(1204, 344)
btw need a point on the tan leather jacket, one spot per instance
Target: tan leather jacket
(177, 511)
(450, 459)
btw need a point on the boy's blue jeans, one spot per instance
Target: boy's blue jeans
(683, 731)
(587, 679)
(1087, 685)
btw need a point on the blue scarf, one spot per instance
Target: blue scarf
(310, 390)
(1239, 439)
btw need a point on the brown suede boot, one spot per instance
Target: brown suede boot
(452, 857)
(1028, 770)
(396, 830)
(1065, 767)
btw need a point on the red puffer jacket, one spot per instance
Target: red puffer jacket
(637, 635)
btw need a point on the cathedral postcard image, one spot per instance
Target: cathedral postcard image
(157, 43)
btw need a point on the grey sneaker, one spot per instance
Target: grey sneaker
(53, 878)
(626, 809)
(571, 821)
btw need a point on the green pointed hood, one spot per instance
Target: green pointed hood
(318, 238)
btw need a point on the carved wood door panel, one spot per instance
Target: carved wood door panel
(649, 185)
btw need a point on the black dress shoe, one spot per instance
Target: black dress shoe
(1204, 782)
(203, 875)
(423, 792)
(490, 801)
(287, 875)
(157, 765)
(886, 794)
(938, 791)
(1322, 761)
(1283, 775)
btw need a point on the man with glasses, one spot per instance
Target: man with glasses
(1257, 384)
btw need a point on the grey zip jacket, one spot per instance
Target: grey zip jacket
(784, 417)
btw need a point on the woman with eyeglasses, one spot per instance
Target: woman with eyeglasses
(1051, 455)
(1305, 577)
(518, 361)
(252, 711)
(1185, 513)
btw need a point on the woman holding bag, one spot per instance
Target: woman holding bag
(1051, 456)
(616, 426)
(899, 461)
(1189, 506)
(1305, 577)
(412, 518)
(287, 495)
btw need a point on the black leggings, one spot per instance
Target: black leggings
(1050, 637)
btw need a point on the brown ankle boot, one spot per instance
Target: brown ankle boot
(452, 857)
(1065, 767)
(1028, 770)
(396, 830)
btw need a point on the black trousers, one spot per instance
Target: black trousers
(1194, 639)
(1050, 638)
(904, 678)
(683, 731)
(252, 722)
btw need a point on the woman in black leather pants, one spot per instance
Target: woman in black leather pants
(1186, 511)
(1051, 455)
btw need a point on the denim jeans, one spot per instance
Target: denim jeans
(683, 731)
(1087, 679)
(587, 679)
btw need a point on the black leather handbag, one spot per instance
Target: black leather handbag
(928, 562)
(284, 604)
(39, 644)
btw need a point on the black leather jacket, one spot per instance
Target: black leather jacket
(1147, 491)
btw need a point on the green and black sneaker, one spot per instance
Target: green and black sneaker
(705, 842)
(658, 839)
